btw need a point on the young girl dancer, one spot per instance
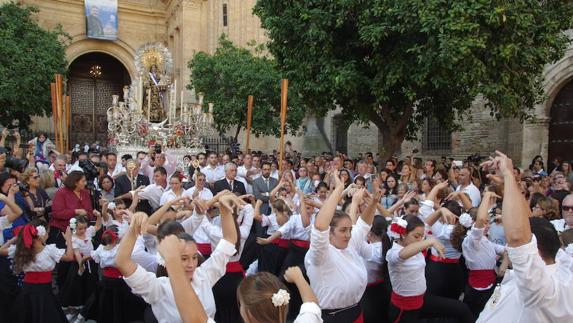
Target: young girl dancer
(83, 275)
(334, 259)
(225, 289)
(409, 300)
(272, 250)
(157, 291)
(377, 295)
(480, 255)
(36, 302)
(113, 301)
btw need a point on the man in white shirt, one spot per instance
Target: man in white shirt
(165, 160)
(199, 190)
(466, 186)
(248, 173)
(113, 169)
(153, 192)
(540, 286)
(213, 172)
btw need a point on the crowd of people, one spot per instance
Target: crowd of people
(93, 235)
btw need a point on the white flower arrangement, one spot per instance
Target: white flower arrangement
(111, 206)
(281, 298)
(569, 249)
(466, 220)
(41, 231)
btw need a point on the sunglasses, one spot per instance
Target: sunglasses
(567, 208)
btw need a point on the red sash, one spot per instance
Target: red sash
(235, 267)
(282, 243)
(378, 282)
(38, 277)
(407, 303)
(445, 260)
(112, 272)
(360, 319)
(204, 248)
(483, 278)
(301, 243)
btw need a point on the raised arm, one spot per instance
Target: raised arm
(326, 213)
(155, 218)
(515, 210)
(228, 223)
(482, 218)
(14, 211)
(123, 258)
(98, 220)
(433, 195)
(69, 255)
(294, 275)
(417, 247)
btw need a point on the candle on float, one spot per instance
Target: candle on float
(148, 104)
(140, 94)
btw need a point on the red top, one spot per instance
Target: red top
(65, 204)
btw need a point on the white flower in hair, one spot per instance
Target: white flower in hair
(41, 231)
(466, 220)
(281, 298)
(73, 223)
(397, 228)
(111, 206)
(569, 249)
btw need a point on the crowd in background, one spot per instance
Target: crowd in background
(360, 230)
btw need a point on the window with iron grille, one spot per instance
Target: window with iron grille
(225, 22)
(436, 137)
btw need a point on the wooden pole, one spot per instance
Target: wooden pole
(54, 109)
(68, 120)
(60, 111)
(249, 121)
(284, 96)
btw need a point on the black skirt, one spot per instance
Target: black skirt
(271, 258)
(8, 289)
(114, 302)
(294, 257)
(36, 303)
(445, 279)
(225, 294)
(78, 289)
(375, 302)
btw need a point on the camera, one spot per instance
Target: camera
(90, 170)
(157, 148)
(23, 187)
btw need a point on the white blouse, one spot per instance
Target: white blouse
(45, 260)
(294, 228)
(337, 276)
(270, 221)
(204, 194)
(105, 257)
(406, 275)
(373, 260)
(158, 292)
(479, 252)
(169, 196)
(144, 258)
(85, 246)
(215, 233)
(442, 232)
(533, 291)
(122, 227)
(309, 313)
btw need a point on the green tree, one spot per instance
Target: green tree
(397, 62)
(29, 58)
(229, 76)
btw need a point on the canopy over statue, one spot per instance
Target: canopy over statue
(149, 114)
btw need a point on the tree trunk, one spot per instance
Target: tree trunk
(392, 143)
(393, 130)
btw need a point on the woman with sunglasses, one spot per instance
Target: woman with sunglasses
(31, 178)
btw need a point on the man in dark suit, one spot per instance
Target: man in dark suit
(130, 182)
(263, 185)
(230, 182)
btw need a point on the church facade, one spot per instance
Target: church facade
(189, 26)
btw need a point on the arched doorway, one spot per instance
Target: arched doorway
(93, 79)
(561, 124)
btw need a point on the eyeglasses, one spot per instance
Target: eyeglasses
(567, 208)
(36, 177)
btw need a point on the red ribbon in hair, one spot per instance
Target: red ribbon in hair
(113, 235)
(397, 229)
(29, 232)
